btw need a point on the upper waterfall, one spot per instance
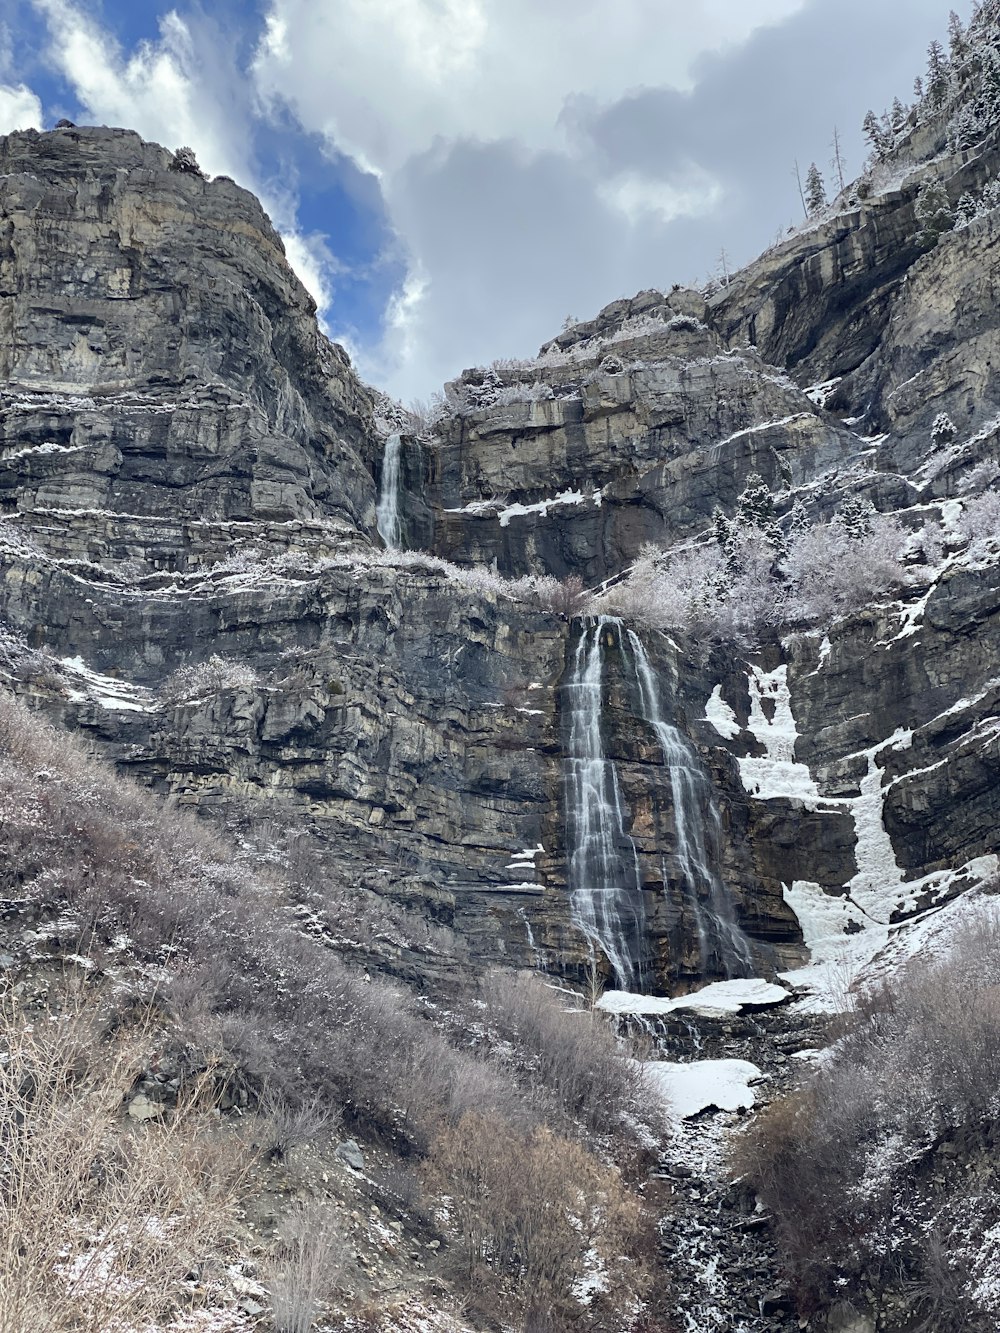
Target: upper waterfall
(387, 515)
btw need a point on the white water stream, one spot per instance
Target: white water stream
(387, 516)
(604, 882)
(698, 829)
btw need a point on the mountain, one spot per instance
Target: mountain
(664, 659)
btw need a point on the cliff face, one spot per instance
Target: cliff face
(188, 469)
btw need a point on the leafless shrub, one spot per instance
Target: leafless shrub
(979, 522)
(832, 571)
(530, 1210)
(917, 1067)
(200, 680)
(565, 1051)
(567, 597)
(400, 1188)
(100, 1220)
(305, 1269)
(286, 1126)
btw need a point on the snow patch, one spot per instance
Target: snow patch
(688, 1089)
(713, 1001)
(721, 716)
(778, 775)
(114, 695)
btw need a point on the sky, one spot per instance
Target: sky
(455, 178)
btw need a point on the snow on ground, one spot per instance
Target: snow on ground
(115, 695)
(688, 1089)
(819, 394)
(713, 1001)
(721, 716)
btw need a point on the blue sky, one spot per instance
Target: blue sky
(454, 177)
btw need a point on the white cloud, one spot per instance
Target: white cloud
(446, 99)
(20, 109)
(156, 90)
(385, 78)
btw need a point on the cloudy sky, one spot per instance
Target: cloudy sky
(454, 177)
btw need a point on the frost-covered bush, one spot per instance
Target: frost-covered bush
(742, 584)
(200, 680)
(985, 474)
(685, 324)
(979, 523)
(831, 572)
(698, 593)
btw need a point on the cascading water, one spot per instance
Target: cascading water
(387, 516)
(695, 816)
(604, 880)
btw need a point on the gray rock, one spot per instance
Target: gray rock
(351, 1155)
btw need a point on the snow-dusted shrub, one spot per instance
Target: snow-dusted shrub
(979, 522)
(705, 593)
(851, 1167)
(200, 680)
(831, 573)
(26, 664)
(567, 597)
(561, 1051)
(981, 477)
(532, 1211)
(17, 543)
(685, 324)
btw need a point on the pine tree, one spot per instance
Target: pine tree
(815, 190)
(897, 117)
(933, 213)
(798, 521)
(855, 517)
(722, 529)
(755, 509)
(965, 209)
(943, 431)
(918, 90)
(937, 74)
(873, 132)
(957, 42)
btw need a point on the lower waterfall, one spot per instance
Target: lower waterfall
(699, 831)
(604, 881)
(387, 516)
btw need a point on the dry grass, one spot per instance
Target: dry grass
(100, 1218)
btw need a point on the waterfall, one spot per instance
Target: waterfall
(604, 882)
(695, 815)
(387, 517)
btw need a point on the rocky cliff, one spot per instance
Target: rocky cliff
(189, 471)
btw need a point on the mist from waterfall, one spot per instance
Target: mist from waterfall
(698, 828)
(604, 881)
(387, 515)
